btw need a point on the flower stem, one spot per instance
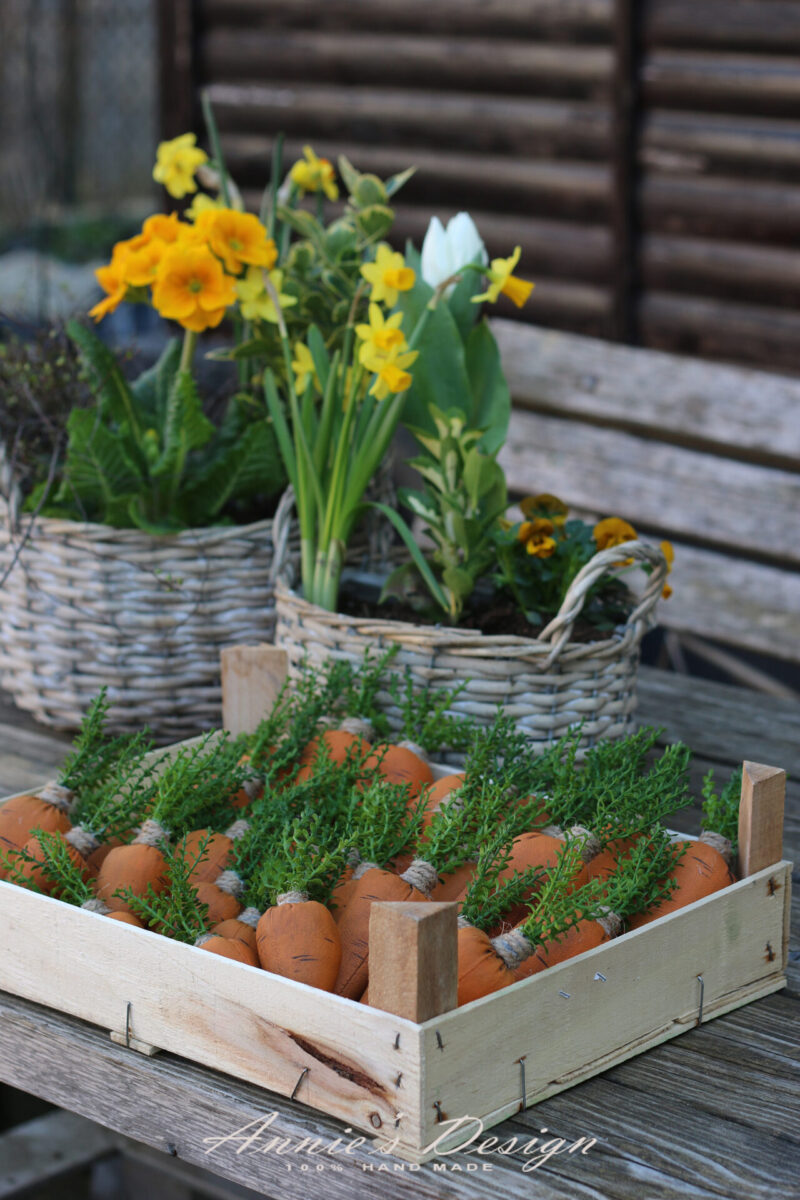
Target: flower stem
(187, 353)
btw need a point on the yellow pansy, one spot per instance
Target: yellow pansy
(176, 164)
(380, 339)
(502, 279)
(255, 302)
(312, 174)
(613, 531)
(303, 367)
(545, 505)
(393, 377)
(388, 275)
(538, 537)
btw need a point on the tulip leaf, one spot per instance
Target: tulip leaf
(491, 399)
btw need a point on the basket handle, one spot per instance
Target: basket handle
(282, 567)
(559, 630)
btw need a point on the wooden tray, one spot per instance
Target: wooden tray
(411, 1067)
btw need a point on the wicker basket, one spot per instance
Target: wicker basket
(547, 684)
(85, 605)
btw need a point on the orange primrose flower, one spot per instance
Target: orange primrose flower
(192, 288)
(238, 238)
(113, 281)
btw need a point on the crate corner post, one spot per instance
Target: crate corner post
(252, 677)
(761, 817)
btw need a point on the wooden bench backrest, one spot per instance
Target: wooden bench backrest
(705, 455)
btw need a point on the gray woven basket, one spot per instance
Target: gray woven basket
(547, 684)
(86, 605)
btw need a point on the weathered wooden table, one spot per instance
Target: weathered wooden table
(714, 1113)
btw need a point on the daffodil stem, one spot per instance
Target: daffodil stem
(187, 353)
(213, 137)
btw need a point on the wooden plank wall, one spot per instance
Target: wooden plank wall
(645, 153)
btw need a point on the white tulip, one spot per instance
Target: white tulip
(446, 251)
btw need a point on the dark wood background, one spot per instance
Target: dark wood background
(645, 153)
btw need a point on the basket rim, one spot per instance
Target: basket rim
(95, 531)
(451, 638)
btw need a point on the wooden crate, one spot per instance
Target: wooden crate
(406, 1069)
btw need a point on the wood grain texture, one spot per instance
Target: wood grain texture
(760, 817)
(607, 1004)
(679, 399)
(252, 677)
(413, 961)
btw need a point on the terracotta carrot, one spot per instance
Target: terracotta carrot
(219, 849)
(297, 936)
(195, 787)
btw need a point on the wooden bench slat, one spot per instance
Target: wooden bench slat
(664, 395)
(679, 491)
(46, 1148)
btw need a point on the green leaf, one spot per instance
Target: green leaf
(439, 376)
(416, 554)
(491, 399)
(186, 426)
(319, 353)
(375, 221)
(395, 182)
(303, 222)
(97, 470)
(151, 389)
(348, 173)
(159, 527)
(465, 313)
(114, 394)
(249, 467)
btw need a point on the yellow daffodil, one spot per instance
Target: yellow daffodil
(393, 378)
(192, 288)
(613, 531)
(203, 203)
(388, 275)
(381, 339)
(502, 279)
(312, 174)
(112, 280)
(239, 239)
(538, 537)
(255, 302)
(669, 554)
(303, 367)
(176, 164)
(545, 505)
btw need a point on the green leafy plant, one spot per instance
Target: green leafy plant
(463, 498)
(538, 558)
(721, 808)
(177, 911)
(145, 455)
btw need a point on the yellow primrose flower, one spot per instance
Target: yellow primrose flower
(303, 367)
(669, 554)
(176, 164)
(388, 275)
(538, 537)
(311, 174)
(381, 339)
(255, 302)
(545, 505)
(502, 279)
(393, 378)
(238, 238)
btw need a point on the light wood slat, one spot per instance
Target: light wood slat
(491, 18)
(36, 1153)
(358, 57)
(698, 78)
(764, 274)
(759, 24)
(676, 197)
(744, 140)
(669, 396)
(447, 119)
(680, 491)
(747, 332)
(721, 722)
